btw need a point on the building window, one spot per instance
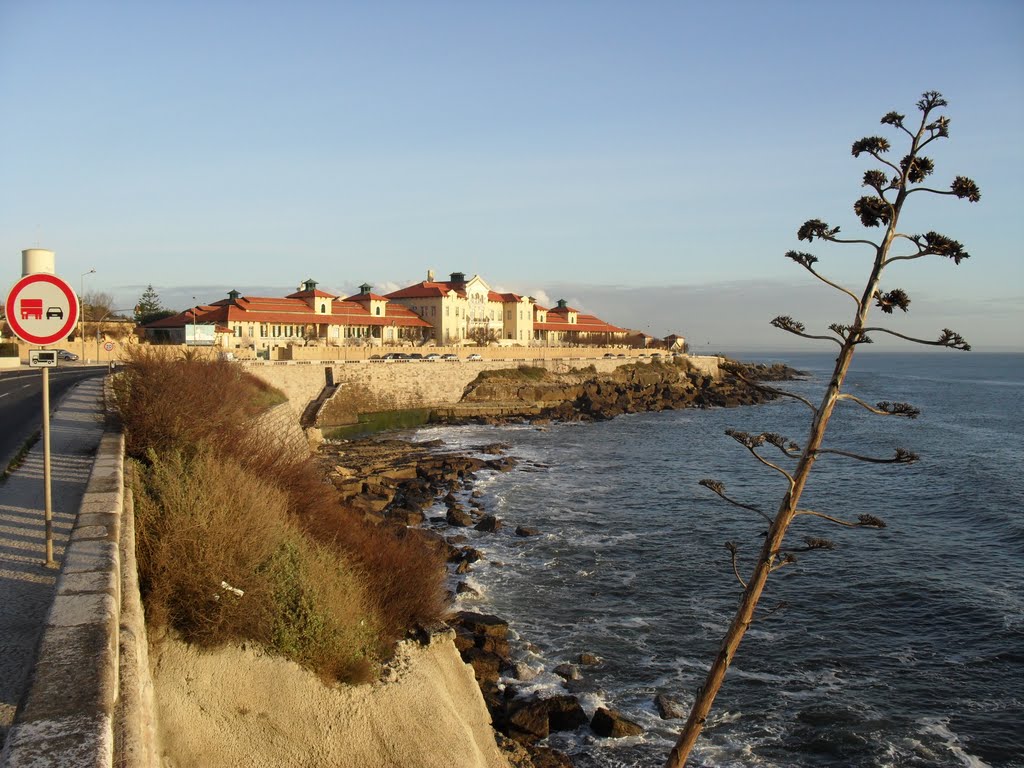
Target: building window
(323, 309)
(378, 310)
(433, 311)
(238, 331)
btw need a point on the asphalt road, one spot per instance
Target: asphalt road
(21, 401)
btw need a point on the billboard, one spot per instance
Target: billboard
(200, 335)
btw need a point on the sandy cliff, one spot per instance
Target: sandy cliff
(239, 707)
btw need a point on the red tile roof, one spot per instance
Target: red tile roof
(428, 289)
(366, 297)
(309, 294)
(291, 311)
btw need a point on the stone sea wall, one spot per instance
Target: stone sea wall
(375, 386)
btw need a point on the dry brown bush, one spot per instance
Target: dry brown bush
(206, 525)
(405, 577)
(169, 403)
(200, 522)
(221, 500)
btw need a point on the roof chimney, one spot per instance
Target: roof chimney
(562, 304)
(233, 295)
(458, 277)
(365, 289)
(430, 275)
(309, 285)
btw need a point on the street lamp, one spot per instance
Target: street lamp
(81, 309)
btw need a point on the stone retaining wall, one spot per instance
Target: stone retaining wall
(87, 703)
(371, 386)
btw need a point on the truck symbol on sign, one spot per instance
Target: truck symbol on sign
(31, 308)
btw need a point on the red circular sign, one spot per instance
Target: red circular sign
(42, 309)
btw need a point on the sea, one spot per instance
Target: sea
(900, 647)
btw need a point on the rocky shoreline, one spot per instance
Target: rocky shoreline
(426, 490)
(536, 394)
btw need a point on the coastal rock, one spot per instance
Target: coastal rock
(488, 524)
(546, 757)
(524, 530)
(611, 724)
(533, 719)
(524, 671)
(486, 664)
(668, 707)
(464, 589)
(463, 567)
(589, 659)
(567, 672)
(458, 518)
(482, 624)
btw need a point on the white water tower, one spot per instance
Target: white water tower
(36, 260)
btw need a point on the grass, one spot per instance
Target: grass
(222, 508)
(370, 423)
(522, 373)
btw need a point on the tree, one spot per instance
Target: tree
(149, 307)
(96, 305)
(890, 188)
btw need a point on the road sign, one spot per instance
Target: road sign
(109, 346)
(42, 309)
(42, 358)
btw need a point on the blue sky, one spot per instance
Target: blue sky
(650, 162)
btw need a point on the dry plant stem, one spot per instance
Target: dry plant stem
(788, 508)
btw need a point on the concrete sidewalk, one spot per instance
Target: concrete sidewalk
(27, 586)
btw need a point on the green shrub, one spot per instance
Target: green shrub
(9, 349)
(522, 373)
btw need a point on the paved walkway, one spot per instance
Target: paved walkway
(26, 585)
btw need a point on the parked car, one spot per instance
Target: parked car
(609, 354)
(432, 357)
(413, 356)
(63, 354)
(474, 356)
(449, 356)
(393, 356)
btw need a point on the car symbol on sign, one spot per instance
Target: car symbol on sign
(52, 312)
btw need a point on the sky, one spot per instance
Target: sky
(649, 162)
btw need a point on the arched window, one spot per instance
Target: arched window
(323, 309)
(378, 310)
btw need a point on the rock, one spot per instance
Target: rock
(458, 518)
(565, 713)
(481, 624)
(524, 671)
(589, 659)
(486, 664)
(523, 530)
(668, 707)
(530, 720)
(609, 723)
(567, 672)
(488, 524)
(462, 567)
(546, 757)
(464, 589)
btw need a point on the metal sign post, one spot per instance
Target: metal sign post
(42, 309)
